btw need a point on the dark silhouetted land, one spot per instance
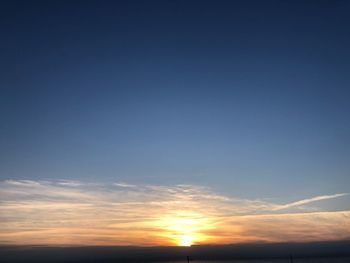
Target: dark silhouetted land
(39, 254)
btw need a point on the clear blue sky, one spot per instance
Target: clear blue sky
(248, 97)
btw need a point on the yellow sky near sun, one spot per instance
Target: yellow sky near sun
(71, 213)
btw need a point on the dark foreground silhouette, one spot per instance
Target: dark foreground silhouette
(40, 254)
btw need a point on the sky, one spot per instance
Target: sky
(174, 122)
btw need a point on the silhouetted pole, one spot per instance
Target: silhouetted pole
(189, 259)
(291, 259)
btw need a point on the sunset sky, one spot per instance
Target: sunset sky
(174, 122)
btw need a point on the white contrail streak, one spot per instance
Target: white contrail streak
(308, 200)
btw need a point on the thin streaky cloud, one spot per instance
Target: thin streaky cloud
(308, 200)
(32, 212)
(125, 185)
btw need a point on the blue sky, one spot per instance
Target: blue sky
(249, 98)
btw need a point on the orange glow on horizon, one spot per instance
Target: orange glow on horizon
(121, 215)
(184, 228)
(186, 241)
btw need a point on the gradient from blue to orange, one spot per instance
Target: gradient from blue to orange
(249, 98)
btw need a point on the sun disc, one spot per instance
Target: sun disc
(186, 241)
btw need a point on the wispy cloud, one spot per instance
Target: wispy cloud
(122, 184)
(308, 200)
(71, 213)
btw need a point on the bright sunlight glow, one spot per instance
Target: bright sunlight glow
(184, 228)
(185, 241)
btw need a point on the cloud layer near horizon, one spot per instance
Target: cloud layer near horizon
(74, 213)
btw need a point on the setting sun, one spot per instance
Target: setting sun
(185, 241)
(184, 228)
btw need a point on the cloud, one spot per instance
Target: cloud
(314, 226)
(126, 185)
(308, 200)
(74, 213)
(70, 183)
